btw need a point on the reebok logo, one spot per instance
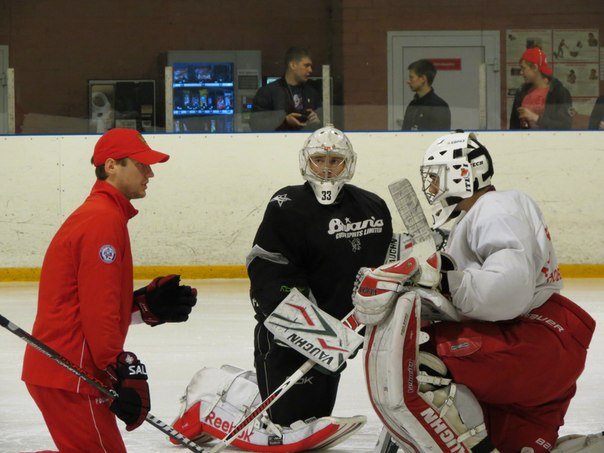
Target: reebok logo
(226, 427)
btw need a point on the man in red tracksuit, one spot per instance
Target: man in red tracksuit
(86, 304)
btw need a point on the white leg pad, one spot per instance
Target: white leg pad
(425, 418)
(218, 399)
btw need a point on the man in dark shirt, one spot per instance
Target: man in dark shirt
(313, 237)
(426, 111)
(288, 103)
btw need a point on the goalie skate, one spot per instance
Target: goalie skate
(216, 400)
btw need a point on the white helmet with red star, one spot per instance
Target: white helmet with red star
(454, 167)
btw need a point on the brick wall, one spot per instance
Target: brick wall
(56, 46)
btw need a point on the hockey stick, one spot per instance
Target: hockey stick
(58, 358)
(349, 321)
(406, 202)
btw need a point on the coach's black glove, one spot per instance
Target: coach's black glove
(129, 377)
(164, 300)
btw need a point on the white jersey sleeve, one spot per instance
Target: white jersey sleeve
(506, 261)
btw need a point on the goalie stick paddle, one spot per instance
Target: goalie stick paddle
(407, 204)
(349, 321)
(58, 358)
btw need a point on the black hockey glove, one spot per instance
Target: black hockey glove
(129, 377)
(164, 300)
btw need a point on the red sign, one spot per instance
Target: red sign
(447, 64)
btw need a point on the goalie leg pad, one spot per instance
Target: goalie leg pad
(218, 399)
(419, 419)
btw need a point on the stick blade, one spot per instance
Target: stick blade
(408, 206)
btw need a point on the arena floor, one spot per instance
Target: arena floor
(219, 332)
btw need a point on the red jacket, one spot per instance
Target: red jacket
(85, 295)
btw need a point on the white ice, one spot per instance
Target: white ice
(219, 332)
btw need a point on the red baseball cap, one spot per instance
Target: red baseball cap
(536, 56)
(119, 143)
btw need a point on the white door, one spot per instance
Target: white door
(467, 78)
(3, 90)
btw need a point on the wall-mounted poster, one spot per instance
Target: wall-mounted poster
(517, 41)
(575, 45)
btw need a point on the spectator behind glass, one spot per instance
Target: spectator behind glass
(542, 101)
(426, 111)
(288, 103)
(596, 119)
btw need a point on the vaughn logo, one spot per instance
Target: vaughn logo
(348, 229)
(317, 335)
(443, 430)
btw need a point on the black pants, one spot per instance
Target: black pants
(313, 396)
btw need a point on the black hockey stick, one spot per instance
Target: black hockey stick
(58, 358)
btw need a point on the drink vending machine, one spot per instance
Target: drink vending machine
(211, 91)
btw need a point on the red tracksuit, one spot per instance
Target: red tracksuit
(84, 311)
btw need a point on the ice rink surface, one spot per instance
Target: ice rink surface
(219, 332)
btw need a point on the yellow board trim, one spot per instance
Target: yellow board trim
(8, 274)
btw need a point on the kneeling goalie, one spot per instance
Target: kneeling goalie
(498, 370)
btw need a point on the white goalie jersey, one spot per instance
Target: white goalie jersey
(504, 249)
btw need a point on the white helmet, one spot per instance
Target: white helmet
(455, 166)
(327, 162)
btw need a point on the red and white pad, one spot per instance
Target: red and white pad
(218, 399)
(375, 290)
(421, 413)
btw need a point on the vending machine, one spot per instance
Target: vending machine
(211, 91)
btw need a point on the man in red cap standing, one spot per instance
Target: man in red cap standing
(86, 304)
(542, 102)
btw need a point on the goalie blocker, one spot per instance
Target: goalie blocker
(218, 399)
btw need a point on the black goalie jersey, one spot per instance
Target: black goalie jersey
(316, 248)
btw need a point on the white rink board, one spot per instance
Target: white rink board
(205, 204)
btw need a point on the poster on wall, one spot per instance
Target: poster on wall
(517, 41)
(581, 79)
(575, 45)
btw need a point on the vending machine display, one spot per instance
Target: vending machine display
(203, 97)
(208, 91)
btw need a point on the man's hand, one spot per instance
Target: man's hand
(164, 300)
(129, 377)
(296, 119)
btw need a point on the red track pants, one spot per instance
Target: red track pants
(78, 423)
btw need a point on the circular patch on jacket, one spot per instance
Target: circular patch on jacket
(107, 254)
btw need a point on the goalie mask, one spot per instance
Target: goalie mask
(327, 162)
(455, 166)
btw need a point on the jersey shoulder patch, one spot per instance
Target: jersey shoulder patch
(107, 253)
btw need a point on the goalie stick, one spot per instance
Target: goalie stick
(407, 204)
(349, 321)
(58, 358)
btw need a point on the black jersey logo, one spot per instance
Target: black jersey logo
(280, 199)
(348, 229)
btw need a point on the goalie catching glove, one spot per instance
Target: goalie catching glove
(165, 300)
(129, 377)
(375, 290)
